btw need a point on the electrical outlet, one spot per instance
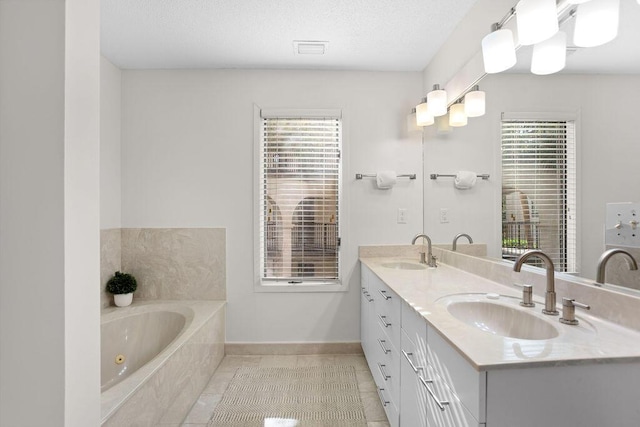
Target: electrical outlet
(402, 216)
(444, 215)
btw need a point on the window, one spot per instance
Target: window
(539, 190)
(299, 198)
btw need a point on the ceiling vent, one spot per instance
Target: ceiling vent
(310, 47)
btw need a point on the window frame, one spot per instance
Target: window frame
(261, 285)
(566, 115)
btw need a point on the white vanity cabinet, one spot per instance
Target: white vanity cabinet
(380, 329)
(425, 381)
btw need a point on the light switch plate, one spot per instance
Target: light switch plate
(622, 226)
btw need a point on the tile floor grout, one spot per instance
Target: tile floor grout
(212, 394)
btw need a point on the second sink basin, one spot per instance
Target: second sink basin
(403, 265)
(500, 319)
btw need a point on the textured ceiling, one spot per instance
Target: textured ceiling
(385, 35)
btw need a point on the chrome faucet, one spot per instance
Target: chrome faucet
(455, 240)
(550, 294)
(602, 263)
(431, 259)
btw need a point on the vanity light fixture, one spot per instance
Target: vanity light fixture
(457, 116)
(423, 116)
(596, 23)
(537, 20)
(474, 102)
(437, 101)
(498, 50)
(550, 56)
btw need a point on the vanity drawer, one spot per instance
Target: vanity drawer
(415, 328)
(386, 310)
(467, 384)
(390, 409)
(385, 366)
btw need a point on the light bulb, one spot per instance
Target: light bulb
(423, 117)
(442, 124)
(437, 101)
(550, 56)
(457, 116)
(596, 23)
(474, 102)
(537, 20)
(498, 51)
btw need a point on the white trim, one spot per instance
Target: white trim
(534, 116)
(269, 286)
(270, 113)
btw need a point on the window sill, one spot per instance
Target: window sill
(284, 287)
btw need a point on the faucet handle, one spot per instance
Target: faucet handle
(527, 295)
(569, 310)
(432, 261)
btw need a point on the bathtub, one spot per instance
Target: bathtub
(156, 358)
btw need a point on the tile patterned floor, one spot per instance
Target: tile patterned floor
(212, 394)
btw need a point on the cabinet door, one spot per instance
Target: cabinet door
(444, 409)
(413, 400)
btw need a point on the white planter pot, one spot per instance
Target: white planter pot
(123, 300)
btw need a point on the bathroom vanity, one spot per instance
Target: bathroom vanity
(450, 348)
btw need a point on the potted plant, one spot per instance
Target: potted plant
(122, 286)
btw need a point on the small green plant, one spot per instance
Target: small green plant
(122, 283)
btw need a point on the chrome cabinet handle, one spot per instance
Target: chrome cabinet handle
(384, 374)
(383, 319)
(432, 394)
(366, 295)
(406, 356)
(385, 349)
(384, 294)
(381, 396)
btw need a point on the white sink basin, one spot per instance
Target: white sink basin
(403, 265)
(500, 319)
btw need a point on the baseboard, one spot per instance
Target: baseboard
(251, 349)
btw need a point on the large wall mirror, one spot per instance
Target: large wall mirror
(599, 91)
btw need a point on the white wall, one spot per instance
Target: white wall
(187, 153)
(110, 130)
(608, 150)
(49, 251)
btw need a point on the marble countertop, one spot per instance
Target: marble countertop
(594, 340)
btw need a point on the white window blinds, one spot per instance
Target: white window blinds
(539, 190)
(299, 198)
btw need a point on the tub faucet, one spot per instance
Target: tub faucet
(455, 240)
(550, 294)
(431, 259)
(602, 263)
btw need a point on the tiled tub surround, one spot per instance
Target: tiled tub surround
(613, 314)
(162, 391)
(176, 263)
(110, 261)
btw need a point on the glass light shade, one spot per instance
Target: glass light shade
(498, 51)
(474, 103)
(537, 20)
(578, 1)
(442, 124)
(423, 117)
(457, 117)
(437, 101)
(596, 23)
(412, 126)
(550, 56)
